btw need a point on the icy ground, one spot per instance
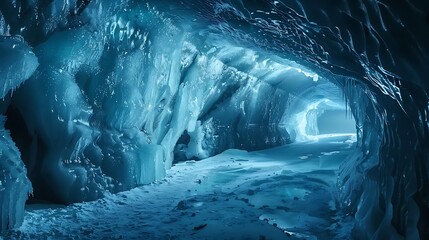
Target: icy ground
(279, 193)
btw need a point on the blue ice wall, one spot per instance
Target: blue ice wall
(117, 89)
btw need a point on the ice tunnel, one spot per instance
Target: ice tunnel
(103, 96)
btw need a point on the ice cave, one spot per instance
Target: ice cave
(214, 119)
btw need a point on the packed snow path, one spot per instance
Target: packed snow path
(279, 193)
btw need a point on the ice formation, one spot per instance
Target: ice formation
(102, 96)
(17, 64)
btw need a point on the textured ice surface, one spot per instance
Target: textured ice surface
(125, 87)
(17, 63)
(115, 100)
(14, 184)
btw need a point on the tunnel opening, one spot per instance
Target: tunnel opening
(319, 111)
(336, 121)
(30, 150)
(286, 178)
(310, 109)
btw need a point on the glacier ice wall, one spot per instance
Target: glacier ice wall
(116, 93)
(124, 87)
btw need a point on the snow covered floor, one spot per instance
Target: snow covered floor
(280, 193)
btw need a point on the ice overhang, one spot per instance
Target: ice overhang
(271, 69)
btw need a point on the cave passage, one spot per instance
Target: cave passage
(273, 193)
(336, 121)
(278, 193)
(144, 119)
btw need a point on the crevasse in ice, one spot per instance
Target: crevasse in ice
(124, 88)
